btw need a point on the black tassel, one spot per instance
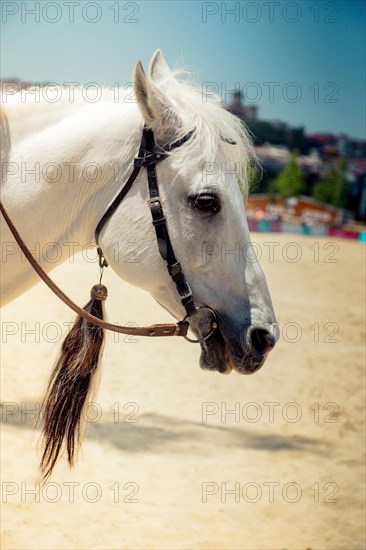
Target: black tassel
(70, 385)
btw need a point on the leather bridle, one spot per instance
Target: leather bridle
(149, 156)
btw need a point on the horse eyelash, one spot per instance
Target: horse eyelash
(215, 198)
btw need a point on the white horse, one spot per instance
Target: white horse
(68, 159)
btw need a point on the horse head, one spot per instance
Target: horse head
(201, 188)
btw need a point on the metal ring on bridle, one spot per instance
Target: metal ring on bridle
(213, 327)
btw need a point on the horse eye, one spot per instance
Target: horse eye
(207, 202)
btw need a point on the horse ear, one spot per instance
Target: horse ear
(157, 110)
(140, 84)
(158, 68)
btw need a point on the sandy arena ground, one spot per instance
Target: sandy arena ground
(165, 464)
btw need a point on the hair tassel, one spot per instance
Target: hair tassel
(74, 375)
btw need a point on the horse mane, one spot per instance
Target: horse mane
(215, 127)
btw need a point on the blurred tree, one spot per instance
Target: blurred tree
(290, 182)
(332, 188)
(297, 139)
(268, 132)
(265, 131)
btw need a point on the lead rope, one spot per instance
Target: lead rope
(166, 329)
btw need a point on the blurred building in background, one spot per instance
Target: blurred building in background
(333, 166)
(237, 107)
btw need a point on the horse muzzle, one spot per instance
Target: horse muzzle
(225, 348)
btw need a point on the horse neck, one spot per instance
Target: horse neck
(66, 173)
(61, 178)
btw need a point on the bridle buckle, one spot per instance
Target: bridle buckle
(186, 294)
(154, 200)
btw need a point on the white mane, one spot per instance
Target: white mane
(215, 127)
(213, 124)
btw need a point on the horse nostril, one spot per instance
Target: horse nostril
(261, 340)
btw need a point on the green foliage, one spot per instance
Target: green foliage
(290, 182)
(297, 139)
(266, 131)
(332, 189)
(271, 190)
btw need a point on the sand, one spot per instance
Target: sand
(180, 458)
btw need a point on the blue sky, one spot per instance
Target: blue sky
(299, 61)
